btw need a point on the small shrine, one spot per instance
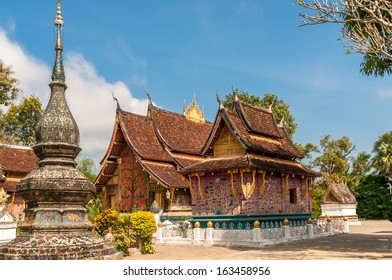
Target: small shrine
(56, 225)
(339, 202)
(7, 220)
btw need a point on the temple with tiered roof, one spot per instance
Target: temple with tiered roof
(241, 164)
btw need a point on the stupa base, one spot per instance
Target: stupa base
(58, 246)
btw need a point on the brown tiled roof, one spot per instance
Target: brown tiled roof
(140, 134)
(185, 160)
(179, 133)
(166, 173)
(251, 160)
(257, 120)
(17, 159)
(260, 143)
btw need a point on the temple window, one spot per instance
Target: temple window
(293, 195)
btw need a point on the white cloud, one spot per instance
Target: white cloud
(89, 95)
(385, 94)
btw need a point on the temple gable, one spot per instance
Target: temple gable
(227, 144)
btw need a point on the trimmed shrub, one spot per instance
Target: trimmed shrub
(143, 226)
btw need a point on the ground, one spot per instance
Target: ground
(370, 241)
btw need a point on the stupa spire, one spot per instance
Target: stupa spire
(58, 68)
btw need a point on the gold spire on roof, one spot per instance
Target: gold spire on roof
(193, 112)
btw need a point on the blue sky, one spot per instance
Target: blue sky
(178, 48)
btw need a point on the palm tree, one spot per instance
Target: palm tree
(382, 160)
(360, 166)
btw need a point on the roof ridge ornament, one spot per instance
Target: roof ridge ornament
(116, 100)
(219, 100)
(270, 107)
(281, 123)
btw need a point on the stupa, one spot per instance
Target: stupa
(56, 225)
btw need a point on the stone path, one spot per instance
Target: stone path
(370, 241)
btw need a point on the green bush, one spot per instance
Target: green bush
(111, 219)
(107, 219)
(316, 201)
(373, 197)
(143, 225)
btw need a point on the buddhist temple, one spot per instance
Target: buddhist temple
(242, 164)
(144, 155)
(16, 162)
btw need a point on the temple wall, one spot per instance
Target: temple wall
(133, 182)
(218, 197)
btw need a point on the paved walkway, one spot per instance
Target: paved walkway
(371, 240)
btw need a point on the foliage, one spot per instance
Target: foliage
(94, 207)
(280, 110)
(360, 166)
(8, 89)
(382, 148)
(307, 151)
(334, 161)
(143, 226)
(374, 198)
(366, 29)
(87, 167)
(316, 201)
(18, 123)
(121, 242)
(109, 218)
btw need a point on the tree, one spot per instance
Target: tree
(8, 89)
(374, 197)
(280, 110)
(307, 151)
(360, 167)
(333, 162)
(87, 167)
(18, 123)
(382, 160)
(367, 28)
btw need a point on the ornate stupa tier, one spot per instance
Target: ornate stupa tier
(57, 133)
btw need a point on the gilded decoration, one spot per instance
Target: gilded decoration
(262, 185)
(200, 189)
(305, 189)
(248, 189)
(227, 144)
(193, 113)
(286, 185)
(233, 188)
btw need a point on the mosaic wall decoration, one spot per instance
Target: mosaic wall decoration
(220, 199)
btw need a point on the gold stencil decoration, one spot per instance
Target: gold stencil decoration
(305, 189)
(286, 186)
(262, 185)
(190, 187)
(199, 185)
(248, 189)
(233, 188)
